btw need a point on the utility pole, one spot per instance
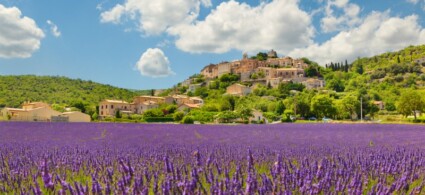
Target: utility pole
(361, 109)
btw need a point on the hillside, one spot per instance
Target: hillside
(14, 90)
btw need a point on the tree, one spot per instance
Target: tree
(227, 116)
(118, 114)
(95, 116)
(410, 102)
(322, 105)
(280, 108)
(245, 113)
(188, 120)
(350, 104)
(336, 84)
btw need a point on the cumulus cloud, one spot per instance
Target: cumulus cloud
(153, 63)
(279, 24)
(413, 1)
(377, 33)
(54, 29)
(348, 17)
(154, 17)
(19, 35)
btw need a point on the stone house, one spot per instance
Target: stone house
(224, 68)
(313, 83)
(210, 71)
(257, 116)
(192, 87)
(188, 107)
(380, 104)
(238, 89)
(110, 107)
(74, 116)
(30, 111)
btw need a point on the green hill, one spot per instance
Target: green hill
(14, 90)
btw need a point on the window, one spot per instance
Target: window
(106, 106)
(101, 107)
(101, 113)
(112, 106)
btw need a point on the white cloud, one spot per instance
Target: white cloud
(335, 22)
(377, 33)
(154, 17)
(19, 35)
(413, 1)
(153, 63)
(54, 29)
(280, 25)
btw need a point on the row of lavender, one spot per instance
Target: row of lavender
(52, 158)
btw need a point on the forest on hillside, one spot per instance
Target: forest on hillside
(60, 91)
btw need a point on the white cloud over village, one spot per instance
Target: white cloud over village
(155, 17)
(377, 33)
(54, 28)
(349, 16)
(154, 63)
(232, 25)
(20, 36)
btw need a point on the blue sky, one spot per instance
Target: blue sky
(143, 44)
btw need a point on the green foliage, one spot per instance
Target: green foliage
(153, 113)
(203, 116)
(118, 114)
(280, 108)
(285, 88)
(95, 116)
(245, 113)
(188, 120)
(14, 90)
(336, 85)
(227, 116)
(178, 116)
(410, 102)
(158, 119)
(229, 78)
(322, 105)
(201, 92)
(261, 56)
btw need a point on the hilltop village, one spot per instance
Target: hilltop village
(271, 72)
(250, 74)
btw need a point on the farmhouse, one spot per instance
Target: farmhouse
(75, 116)
(110, 107)
(30, 111)
(257, 116)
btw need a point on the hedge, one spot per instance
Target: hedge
(159, 119)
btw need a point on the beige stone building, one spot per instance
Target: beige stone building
(238, 89)
(313, 83)
(188, 107)
(224, 68)
(380, 104)
(210, 71)
(283, 73)
(257, 116)
(147, 105)
(76, 116)
(30, 111)
(110, 107)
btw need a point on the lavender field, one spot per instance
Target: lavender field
(55, 158)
